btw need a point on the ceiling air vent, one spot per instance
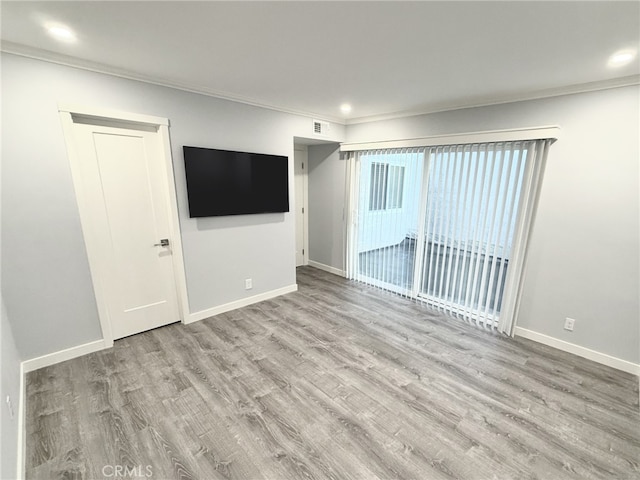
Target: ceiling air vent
(320, 128)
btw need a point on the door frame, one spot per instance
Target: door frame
(305, 200)
(67, 113)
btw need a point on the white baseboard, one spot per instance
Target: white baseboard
(243, 302)
(327, 268)
(602, 358)
(62, 355)
(22, 439)
(73, 352)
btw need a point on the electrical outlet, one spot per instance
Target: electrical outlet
(569, 323)
(248, 284)
(9, 406)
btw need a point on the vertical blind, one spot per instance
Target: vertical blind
(446, 225)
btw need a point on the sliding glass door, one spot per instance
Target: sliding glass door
(439, 224)
(387, 222)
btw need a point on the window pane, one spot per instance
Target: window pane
(390, 186)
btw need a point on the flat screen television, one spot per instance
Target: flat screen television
(223, 182)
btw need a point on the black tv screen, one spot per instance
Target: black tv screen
(222, 182)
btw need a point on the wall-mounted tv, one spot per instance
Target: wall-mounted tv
(223, 182)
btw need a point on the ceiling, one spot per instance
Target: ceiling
(383, 58)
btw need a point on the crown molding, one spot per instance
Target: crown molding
(69, 61)
(498, 100)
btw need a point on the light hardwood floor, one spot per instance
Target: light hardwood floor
(335, 381)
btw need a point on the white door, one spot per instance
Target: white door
(125, 191)
(300, 174)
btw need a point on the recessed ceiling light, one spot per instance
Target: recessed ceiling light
(61, 32)
(623, 57)
(345, 108)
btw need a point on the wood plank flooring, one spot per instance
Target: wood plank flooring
(335, 381)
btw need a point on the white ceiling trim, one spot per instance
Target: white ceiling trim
(537, 95)
(52, 57)
(69, 61)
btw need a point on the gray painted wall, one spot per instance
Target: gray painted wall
(584, 250)
(326, 205)
(46, 282)
(584, 254)
(10, 385)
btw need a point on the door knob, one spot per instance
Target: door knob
(163, 243)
